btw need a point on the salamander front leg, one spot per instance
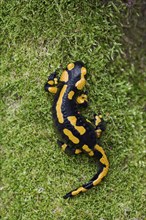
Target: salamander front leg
(82, 99)
(69, 150)
(51, 85)
(100, 124)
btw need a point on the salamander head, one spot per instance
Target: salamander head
(75, 74)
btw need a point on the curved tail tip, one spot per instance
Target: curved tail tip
(68, 195)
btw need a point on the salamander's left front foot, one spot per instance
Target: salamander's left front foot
(82, 99)
(50, 86)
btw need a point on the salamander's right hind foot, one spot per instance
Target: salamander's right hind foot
(100, 124)
(69, 150)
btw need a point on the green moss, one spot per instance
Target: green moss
(38, 37)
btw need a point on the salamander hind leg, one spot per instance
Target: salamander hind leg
(51, 85)
(100, 124)
(69, 150)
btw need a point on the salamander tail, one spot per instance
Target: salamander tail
(97, 178)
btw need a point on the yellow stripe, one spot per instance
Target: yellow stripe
(78, 151)
(70, 135)
(100, 177)
(88, 150)
(104, 161)
(59, 104)
(73, 121)
(76, 192)
(80, 84)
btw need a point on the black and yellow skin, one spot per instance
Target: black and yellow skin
(78, 134)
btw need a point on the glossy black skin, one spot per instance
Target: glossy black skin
(88, 140)
(70, 108)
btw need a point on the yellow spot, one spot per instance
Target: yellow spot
(64, 76)
(98, 132)
(91, 153)
(70, 66)
(64, 146)
(76, 192)
(81, 83)
(83, 71)
(71, 94)
(59, 104)
(52, 89)
(51, 82)
(55, 81)
(78, 151)
(70, 135)
(73, 121)
(82, 98)
(97, 120)
(88, 150)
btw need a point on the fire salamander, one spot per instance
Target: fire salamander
(79, 134)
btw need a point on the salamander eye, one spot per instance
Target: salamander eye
(70, 66)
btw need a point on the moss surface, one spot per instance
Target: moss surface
(37, 38)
